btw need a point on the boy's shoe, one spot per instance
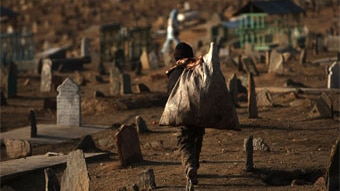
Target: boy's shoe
(192, 175)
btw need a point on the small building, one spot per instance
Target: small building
(259, 21)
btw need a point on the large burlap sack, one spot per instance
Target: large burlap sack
(200, 97)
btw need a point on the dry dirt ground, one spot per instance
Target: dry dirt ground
(299, 147)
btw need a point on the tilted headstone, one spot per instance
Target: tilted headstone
(51, 180)
(334, 76)
(147, 180)
(332, 182)
(249, 66)
(128, 145)
(252, 105)
(46, 76)
(84, 52)
(68, 104)
(141, 125)
(276, 62)
(125, 84)
(76, 176)
(263, 99)
(323, 108)
(17, 148)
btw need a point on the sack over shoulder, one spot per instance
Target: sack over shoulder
(200, 97)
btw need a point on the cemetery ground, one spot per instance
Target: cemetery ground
(299, 147)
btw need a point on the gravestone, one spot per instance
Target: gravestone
(17, 148)
(12, 80)
(233, 88)
(332, 43)
(147, 180)
(46, 76)
(51, 180)
(252, 105)
(84, 49)
(76, 176)
(145, 60)
(332, 174)
(154, 61)
(128, 145)
(263, 99)
(125, 84)
(249, 153)
(334, 76)
(115, 81)
(140, 88)
(141, 125)
(276, 62)
(249, 66)
(68, 104)
(323, 108)
(33, 124)
(303, 56)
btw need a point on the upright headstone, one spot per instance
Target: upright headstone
(145, 60)
(233, 88)
(332, 182)
(303, 56)
(128, 145)
(33, 124)
(51, 180)
(125, 84)
(334, 76)
(252, 105)
(68, 104)
(76, 176)
(84, 52)
(115, 81)
(249, 66)
(46, 75)
(276, 62)
(141, 125)
(249, 154)
(154, 61)
(12, 80)
(264, 99)
(147, 180)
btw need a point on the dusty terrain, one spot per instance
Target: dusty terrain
(299, 147)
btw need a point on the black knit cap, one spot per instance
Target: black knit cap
(183, 50)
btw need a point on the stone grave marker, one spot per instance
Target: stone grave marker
(332, 174)
(333, 43)
(46, 76)
(252, 105)
(249, 66)
(33, 124)
(334, 76)
(115, 81)
(233, 88)
(323, 108)
(128, 145)
(84, 49)
(12, 80)
(145, 60)
(141, 125)
(147, 180)
(276, 62)
(75, 176)
(17, 148)
(125, 87)
(68, 104)
(154, 61)
(51, 180)
(263, 99)
(249, 153)
(303, 56)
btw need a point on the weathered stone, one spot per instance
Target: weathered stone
(142, 88)
(75, 176)
(125, 84)
(252, 105)
(264, 99)
(128, 145)
(249, 66)
(141, 125)
(79, 78)
(323, 108)
(87, 144)
(46, 76)
(68, 104)
(33, 124)
(51, 180)
(115, 81)
(258, 145)
(233, 88)
(276, 62)
(334, 76)
(332, 175)
(249, 154)
(17, 148)
(84, 49)
(147, 180)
